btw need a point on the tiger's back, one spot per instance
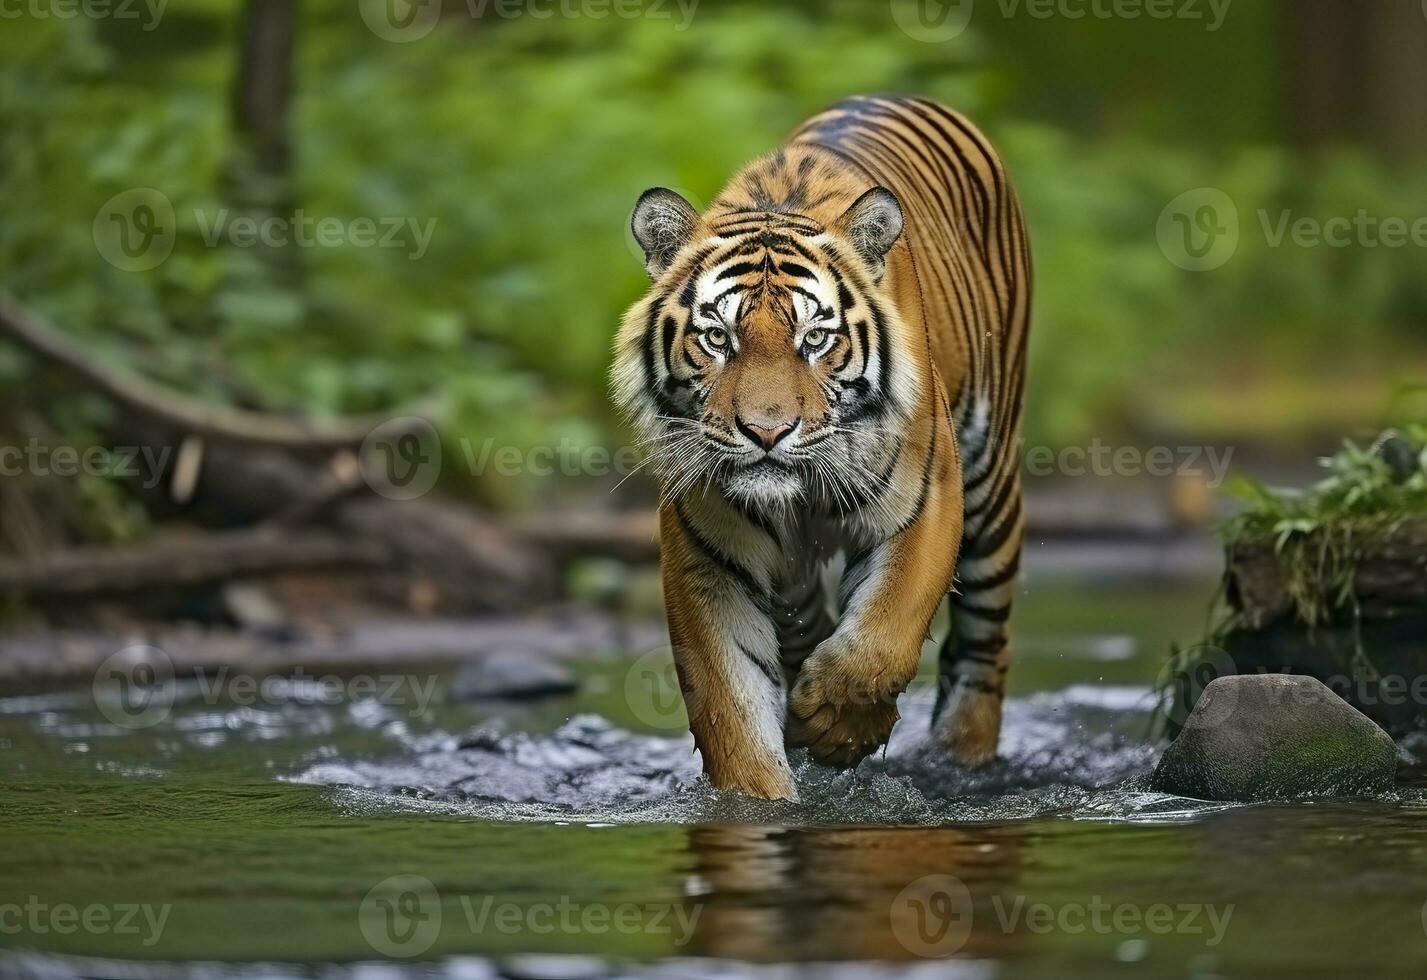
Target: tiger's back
(830, 365)
(961, 272)
(968, 251)
(965, 242)
(962, 267)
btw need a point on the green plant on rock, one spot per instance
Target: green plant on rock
(1322, 533)
(1320, 536)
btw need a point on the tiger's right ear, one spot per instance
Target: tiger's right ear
(873, 224)
(663, 223)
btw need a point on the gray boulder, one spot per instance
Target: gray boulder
(511, 676)
(1275, 737)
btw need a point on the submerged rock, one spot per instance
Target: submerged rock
(1275, 737)
(512, 676)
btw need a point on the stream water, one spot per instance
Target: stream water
(371, 827)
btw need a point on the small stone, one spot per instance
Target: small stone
(253, 607)
(1403, 459)
(511, 676)
(554, 967)
(1275, 737)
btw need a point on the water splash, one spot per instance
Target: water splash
(1076, 753)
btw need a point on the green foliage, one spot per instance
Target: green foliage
(1321, 534)
(527, 140)
(1361, 489)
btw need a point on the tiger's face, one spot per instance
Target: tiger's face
(764, 361)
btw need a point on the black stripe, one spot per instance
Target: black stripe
(998, 614)
(738, 269)
(719, 558)
(926, 483)
(670, 327)
(648, 346)
(984, 547)
(770, 671)
(996, 580)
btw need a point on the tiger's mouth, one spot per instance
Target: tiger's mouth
(770, 462)
(769, 482)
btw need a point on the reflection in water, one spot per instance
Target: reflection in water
(905, 861)
(883, 893)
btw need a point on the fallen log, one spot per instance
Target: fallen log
(473, 563)
(175, 411)
(1350, 611)
(1385, 578)
(565, 536)
(183, 562)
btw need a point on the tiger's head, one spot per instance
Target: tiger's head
(767, 360)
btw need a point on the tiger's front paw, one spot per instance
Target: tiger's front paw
(841, 713)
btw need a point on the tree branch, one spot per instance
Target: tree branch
(186, 414)
(185, 562)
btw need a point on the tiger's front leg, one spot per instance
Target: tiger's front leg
(844, 702)
(726, 653)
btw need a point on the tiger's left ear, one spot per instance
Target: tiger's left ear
(663, 223)
(873, 224)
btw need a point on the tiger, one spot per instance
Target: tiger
(827, 376)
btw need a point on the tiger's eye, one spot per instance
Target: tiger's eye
(814, 339)
(716, 338)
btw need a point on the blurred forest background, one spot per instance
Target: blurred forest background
(527, 140)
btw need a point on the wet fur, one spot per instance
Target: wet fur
(800, 580)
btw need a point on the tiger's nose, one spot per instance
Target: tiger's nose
(767, 436)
